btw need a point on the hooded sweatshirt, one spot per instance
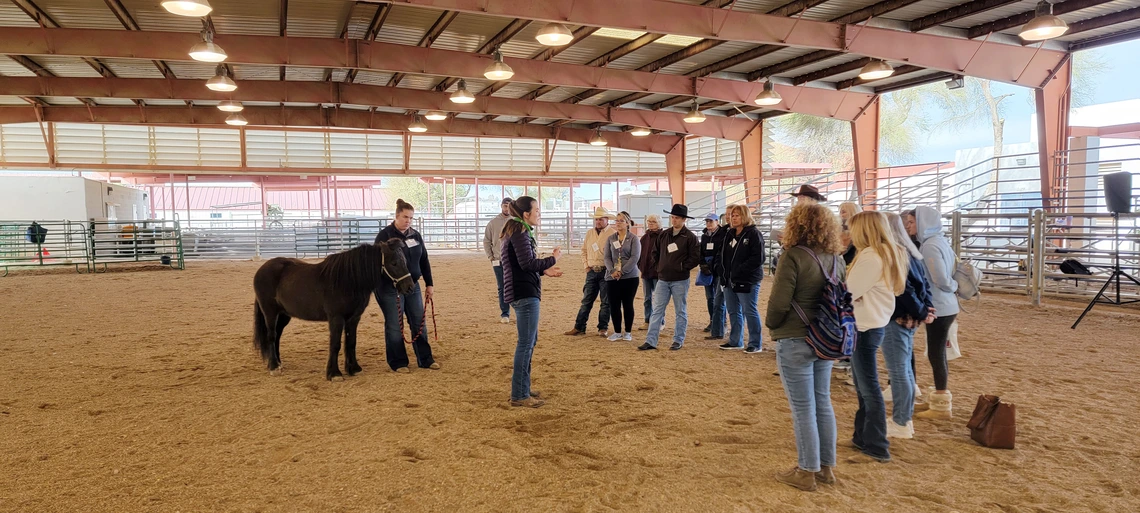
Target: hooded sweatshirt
(939, 259)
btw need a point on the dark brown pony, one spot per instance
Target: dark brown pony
(335, 290)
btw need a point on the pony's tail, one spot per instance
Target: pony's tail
(260, 333)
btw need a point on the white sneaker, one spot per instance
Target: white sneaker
(615, 337)
(505, 320)
(917, 391)
(627, 337)
(897, 431)
(887, 395)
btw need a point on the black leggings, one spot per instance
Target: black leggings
(936, 334)
(622, 294)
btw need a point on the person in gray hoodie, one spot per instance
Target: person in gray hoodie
(491, 247)
(940, 261)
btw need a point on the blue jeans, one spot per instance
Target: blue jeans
(898, 350)
(595, 286)
(742, 308)
(504, 308)
(714, 298)
(807, 383)
(526, 313)
(871, 418)
(649, 285)
(679, 292)
(412, 305)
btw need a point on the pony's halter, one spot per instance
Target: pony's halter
(383, 261)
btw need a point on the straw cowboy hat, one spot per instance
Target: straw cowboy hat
(601, 213)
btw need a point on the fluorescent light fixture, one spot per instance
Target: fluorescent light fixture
(417, 126)
(498, 70)
(194, 8)
(597, 139)
(1044, 25)
(554, 34)
(875, 70)
(230, 106)
(694, 115)
(768, 96)
(435, 115)
(236, 120)
(461, 95)
(640, 131)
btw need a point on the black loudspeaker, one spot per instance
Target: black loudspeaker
(1118, 192)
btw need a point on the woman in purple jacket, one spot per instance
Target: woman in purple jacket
(522, 288)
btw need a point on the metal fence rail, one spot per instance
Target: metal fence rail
(88, 246)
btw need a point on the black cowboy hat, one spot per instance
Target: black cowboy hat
(811, 192)
(679, 210)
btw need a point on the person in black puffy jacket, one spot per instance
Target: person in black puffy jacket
(712, 241)
(742, 261)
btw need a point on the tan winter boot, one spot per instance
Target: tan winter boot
(940, 406)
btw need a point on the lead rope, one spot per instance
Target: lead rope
(423, 321)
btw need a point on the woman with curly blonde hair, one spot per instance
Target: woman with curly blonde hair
(812, 233)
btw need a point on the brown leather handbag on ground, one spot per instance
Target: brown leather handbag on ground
(994, 423)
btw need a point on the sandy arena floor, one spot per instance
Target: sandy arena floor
(139, 391)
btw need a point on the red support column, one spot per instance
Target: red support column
(1052, 100)
(675, 166)
(865, 144)
(752, 160)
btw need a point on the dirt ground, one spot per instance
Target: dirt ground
(139, 391)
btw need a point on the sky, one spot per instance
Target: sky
(1117, 82)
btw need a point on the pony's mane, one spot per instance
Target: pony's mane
(355, 268)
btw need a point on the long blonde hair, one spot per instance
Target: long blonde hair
(870, 230)
(850, 208)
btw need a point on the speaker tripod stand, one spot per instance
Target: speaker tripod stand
(1113, 278)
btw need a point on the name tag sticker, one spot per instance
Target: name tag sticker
(709, 246)
(617, 245)
(733, 243)
(412, 243)
(671, 247)
(595, 246)
(746, 241)
(495, 263)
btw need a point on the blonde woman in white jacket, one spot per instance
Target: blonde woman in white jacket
(875, 277)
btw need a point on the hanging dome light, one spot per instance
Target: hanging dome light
(417, 125)
(768, 96)
(461, 94)
(221, 81)
(230, 106)
(236, 120)
(875, 70)
(1044, 25)
(498, 70)
(597, 139)
(640, 131)
(195, 8)
(207, 51)
(694, 115)
(435, 115)
(554, 34)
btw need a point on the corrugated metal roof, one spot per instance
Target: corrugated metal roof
(151, 16)
(372, 78)
(821, 65)
(302, 74)
(920, 9)
(247, 18)
(643, 56)
(589, 49)
(996, 13)
(314, 18)
(61, 100)
(561, 94)
(11, 68)
(360, 18)
(251, 72)
(523, 45)
(467, 32)
(190, 70)
(86, 14)
(113, 101)
(425, 82)
(835, 8)
(406, 25)
(124, 68)
(776, 57)
(67, 66)
(12, 16)
(514, 90)
(12, 100)
(715, 54)
(173, 103)
(1099, 32)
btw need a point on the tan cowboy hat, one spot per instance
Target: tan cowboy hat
(602, 213)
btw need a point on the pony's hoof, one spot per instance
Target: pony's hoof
(403, 370)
